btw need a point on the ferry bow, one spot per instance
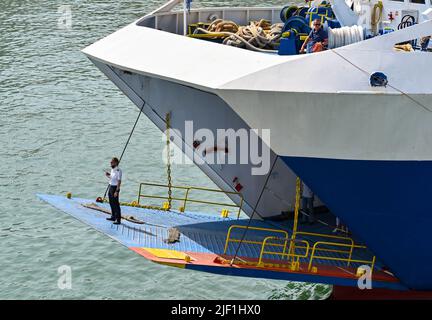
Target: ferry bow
(364, 148)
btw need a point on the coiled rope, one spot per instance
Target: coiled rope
(340, 37)
(377, 13)
(258, 36)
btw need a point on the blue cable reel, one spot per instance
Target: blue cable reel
(302, 12)
(297, 23)
(287, 12)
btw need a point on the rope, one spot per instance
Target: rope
(127, 142)
(339, 37)
(167, 132)
(253, 212)
(393, 87)
(258, 36)
(375, 19)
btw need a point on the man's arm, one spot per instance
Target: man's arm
(325, 42)
(325, 37)
(304, 44)
(119, 173)
(116, 193)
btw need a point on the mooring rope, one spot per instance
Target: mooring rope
(253, 212)
(258, 36)
(391, 86)
(127, 142)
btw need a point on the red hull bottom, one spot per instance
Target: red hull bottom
(352, 293)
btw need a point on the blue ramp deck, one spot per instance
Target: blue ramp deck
(200, 233)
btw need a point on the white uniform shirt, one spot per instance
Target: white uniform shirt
(307, 193)
(115, 176)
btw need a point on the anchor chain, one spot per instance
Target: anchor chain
(168, 140)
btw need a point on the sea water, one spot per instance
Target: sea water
(61, 122)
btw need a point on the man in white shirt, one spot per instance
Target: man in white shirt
(114, 190)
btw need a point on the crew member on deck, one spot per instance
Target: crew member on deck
(424, 43)
(307, 204)
(316, 40)
(114, 190)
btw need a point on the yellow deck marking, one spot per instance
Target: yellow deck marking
(167, 253)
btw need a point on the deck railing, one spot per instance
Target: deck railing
(348, 260)
(186, 198)
(350, 243)
(292, 253)
(231, 228)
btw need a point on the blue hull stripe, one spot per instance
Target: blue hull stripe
(387, 204)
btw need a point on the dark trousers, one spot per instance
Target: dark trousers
(114, 204)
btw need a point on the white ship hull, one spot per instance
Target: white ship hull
(366, 151)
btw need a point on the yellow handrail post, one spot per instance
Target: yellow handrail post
(312, 256)
(240, 208)
(185, 199)
(284, 249)
(227, 239)
(139, 193)
(373, 263)
(350, 254)
(262, 251)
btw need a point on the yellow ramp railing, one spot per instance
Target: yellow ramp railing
(186, 198)
(311, 248)
(291, 254)
(348, 260)
(348, 241)
(231, 228)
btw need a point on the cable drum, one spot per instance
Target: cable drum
(287, 12)
(344, 36)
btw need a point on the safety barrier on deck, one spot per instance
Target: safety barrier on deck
(291, 253)
(321, 246)
(186, 198)
(307, 250)
(231, 228)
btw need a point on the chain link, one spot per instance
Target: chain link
(168, 140)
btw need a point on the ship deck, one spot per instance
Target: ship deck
(203, 239)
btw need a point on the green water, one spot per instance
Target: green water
(61, 121)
